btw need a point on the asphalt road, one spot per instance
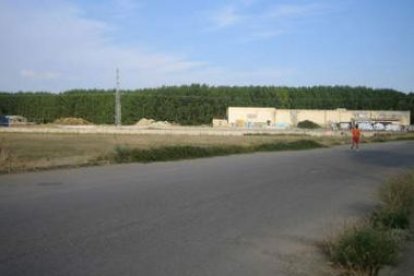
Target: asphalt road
(255, 214)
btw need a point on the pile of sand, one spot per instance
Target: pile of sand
(160, 124)
(71, 121)
(144, 122)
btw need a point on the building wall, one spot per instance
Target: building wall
(283, 118)
(244, 116)
(247, 116)
(402, 116)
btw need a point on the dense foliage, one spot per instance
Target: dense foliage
(194, 104)
(308, 124)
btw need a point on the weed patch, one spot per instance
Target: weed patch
(168, 153)
(125, 155)
(397, 199)
(398, 193)
(365, 248)
(385, 218)
(387, 137)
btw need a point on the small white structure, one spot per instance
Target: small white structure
(12, 120)
(220, 123)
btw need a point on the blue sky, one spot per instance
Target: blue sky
(58, 45)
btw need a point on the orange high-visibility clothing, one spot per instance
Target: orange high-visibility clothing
(356, 132)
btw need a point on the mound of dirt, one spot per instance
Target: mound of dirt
(150, 123)
(71, 121)
(160, 124)
(145, 122)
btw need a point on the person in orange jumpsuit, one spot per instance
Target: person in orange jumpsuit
(356, 135)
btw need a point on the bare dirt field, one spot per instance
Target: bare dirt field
(43, 147)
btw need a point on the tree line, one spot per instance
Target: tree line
(194, 104)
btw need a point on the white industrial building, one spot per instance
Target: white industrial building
(257, 117)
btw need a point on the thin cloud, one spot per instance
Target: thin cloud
(225, 17)
(35, 41)
(37, 75)
(281, 19)
(269, 22)
(263, 34)
(294, 11)
(122, 9)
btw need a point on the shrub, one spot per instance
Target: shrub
(385, 218)
(398, 193)
(367, 247)
(363, 249)
(296, 145)
(124, 154)
(397, 198)
(308, 124)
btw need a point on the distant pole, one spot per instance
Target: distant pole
(117, 101)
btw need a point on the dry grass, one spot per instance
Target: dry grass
(28, 151)
(71, 121)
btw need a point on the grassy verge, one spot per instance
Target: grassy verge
(387, 137)
(125, 154)
(39, 151)
(364, 248)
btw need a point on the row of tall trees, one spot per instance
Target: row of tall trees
(195, 104)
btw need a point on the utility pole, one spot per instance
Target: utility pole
(117, 101)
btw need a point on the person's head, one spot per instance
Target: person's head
(356, 126)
